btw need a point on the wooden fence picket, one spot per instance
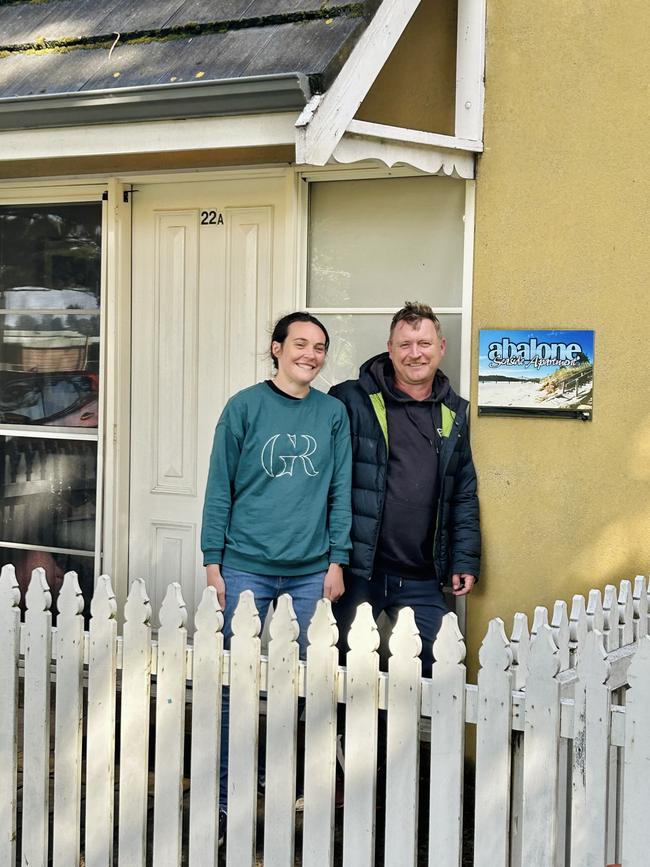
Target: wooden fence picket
(578, 628)
(637, 759)
(10, 638)
(520, 647)
(540, 619)
(206, 732)
(36, 729)
(447, 746)
(493, 750)
(320, 738)
(281, 732)
(595, 613)
(611, 615)
(362, 703)
(542, 736)
(100, 739)
(590, 758)
(243, 732)
(625, 614)
(403, 742)
(134, 727)
(640, 598)
(170, 730)
(560, 630)
(68, 723)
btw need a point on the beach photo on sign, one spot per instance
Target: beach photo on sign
(525, 372)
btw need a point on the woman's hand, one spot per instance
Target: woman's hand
(333, 586)
(213, 574)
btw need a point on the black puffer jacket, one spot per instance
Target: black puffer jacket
(457, 541)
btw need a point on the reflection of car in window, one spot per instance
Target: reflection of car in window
(65, 399)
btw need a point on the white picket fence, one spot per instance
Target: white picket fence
(562, 719)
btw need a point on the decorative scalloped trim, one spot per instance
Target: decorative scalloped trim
(432, 160)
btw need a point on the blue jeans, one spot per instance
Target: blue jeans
(390, 593)
(305, 592)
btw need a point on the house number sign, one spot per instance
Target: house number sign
(211, 218)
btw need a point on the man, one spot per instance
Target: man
(415, 516)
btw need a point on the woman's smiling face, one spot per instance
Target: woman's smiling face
(302, 354)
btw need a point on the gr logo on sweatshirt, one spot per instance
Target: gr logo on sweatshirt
(281, 451)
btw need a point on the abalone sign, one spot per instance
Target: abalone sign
(536, 373)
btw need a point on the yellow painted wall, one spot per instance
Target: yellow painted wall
(562, 232)
(416, 86)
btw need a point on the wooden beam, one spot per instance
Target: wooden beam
(413, 136)
(470, 69)
(316, 137)
(159, 136)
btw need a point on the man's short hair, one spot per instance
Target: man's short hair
(414, 312)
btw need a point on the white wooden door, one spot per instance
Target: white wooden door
(207, 257)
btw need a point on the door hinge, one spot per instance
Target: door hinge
(105, 196)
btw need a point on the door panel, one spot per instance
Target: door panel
(203, 301)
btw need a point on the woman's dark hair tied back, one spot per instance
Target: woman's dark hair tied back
(281, 330)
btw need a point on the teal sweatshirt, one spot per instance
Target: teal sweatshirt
(277, 501)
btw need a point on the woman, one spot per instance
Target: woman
(277, 517)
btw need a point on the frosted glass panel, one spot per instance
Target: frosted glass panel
(357, 337)
(377, 243)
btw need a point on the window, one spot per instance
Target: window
(375, 243)
(50, 311)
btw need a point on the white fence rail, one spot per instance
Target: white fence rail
(562, 719)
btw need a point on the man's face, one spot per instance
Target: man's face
(416, 351)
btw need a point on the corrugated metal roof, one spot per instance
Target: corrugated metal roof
(66, 46)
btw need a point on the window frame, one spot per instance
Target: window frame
(44, 195)
(336, 173)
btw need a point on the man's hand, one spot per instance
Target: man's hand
(333, 586)
(213, 574)
(462, 583)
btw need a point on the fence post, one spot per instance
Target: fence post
(281, 731)
(542, 736)
(243, 733)
(10, 638)
(206, 731)
(493, 739)
(590, 755)
(362, 703)
(447, 746)
(36, 714)
(134, 726)
(100, 740)
(320, 738)
(170, 730)
(637, 759)
(68, 719)
(403, 742)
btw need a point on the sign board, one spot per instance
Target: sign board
(527, 372)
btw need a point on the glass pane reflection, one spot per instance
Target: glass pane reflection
(48, 490)
(50, 256)
(55, 565)
(49, 369)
